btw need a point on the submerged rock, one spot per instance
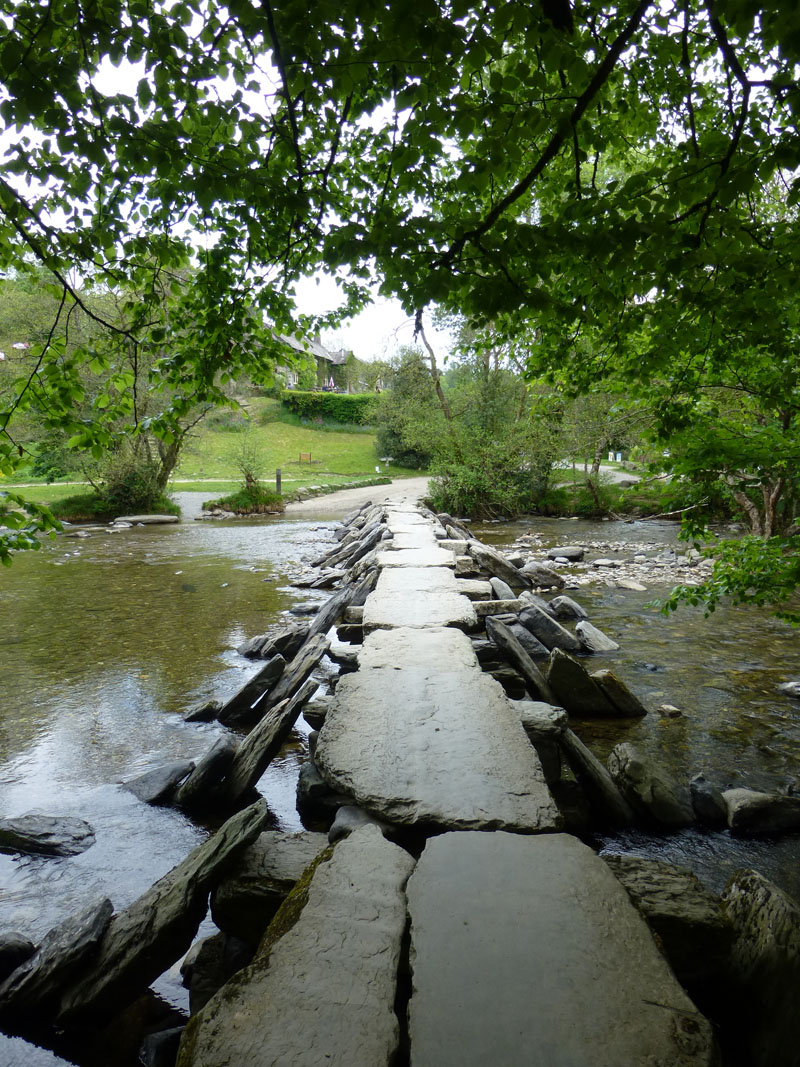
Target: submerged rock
(46, 835)
(649, 789)
(765, 968)
(158, 785)
(750, 812)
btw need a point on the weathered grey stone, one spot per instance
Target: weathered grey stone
(144, 939)
(541, 576)
(286, 643)
(466, 567)
(607, 805)
(497, 607)
(575, 689)
(161, 1048)
(30, 994)
(540, 719)
(314, 711)
(433, 556)
(547, 630)
(750, 812)
(332, 610)
(217, 960)
(349, 818)
(708, 801)
(205, 712)
(765, 968)
(474, 588)
(200, 786)
(624, 701)
(294, 677)
(511, 681)
(501, 589)
(532, 645)
(418, 597)
(237, 710)
(262, 745)
(630, 583)
(148, 520)
(574, 553)
(529, 598)
(527, 950)
(513, 651)
(495, 564)
(432, 740)
(564, 607)
(46, 835)
(593, 639)
(649, 789)
(158, 785)
(323, 992)
(693, 928)
(315, 797)
(15, 949)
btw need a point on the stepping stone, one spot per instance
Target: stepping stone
(419, 735)
(417, 596)
(527, 950)
(324, 992)
(416, 557)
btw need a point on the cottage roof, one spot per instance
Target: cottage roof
(304, 345)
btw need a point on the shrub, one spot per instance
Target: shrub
(341, 407)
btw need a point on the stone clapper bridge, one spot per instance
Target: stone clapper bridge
(521, 945)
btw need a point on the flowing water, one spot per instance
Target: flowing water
(106, 642)
(720, 672)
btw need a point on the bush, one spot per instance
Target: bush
(355, 408)
(249, 500)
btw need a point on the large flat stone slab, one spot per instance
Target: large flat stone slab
(423, 737)
(416, 557)
(527, 950)
(417, 596)
(407, 537)
(324, 992)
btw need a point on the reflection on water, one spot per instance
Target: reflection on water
(105, 642)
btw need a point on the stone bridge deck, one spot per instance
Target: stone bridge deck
(524, 948)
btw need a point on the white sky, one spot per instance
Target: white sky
(377, 332)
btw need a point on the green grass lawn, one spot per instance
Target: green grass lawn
(274, 439)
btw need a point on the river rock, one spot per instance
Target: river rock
(790, 689)
(157, 929)
(349, 818)
(216, 961)
(497, 607)
(690, 922)
(573, 553)
(494, 563)
(505, 640)
(527, 950)
(541, 576)
(205, 712)
(606, 803)
(420, 736)
(765, 968)
(649, 789)
(202, 783)
(263, 744)
(564, 607)
(501, 589)
(575, 689)
(160, 1048)
(593, 639)
(540, 719)
(158, 785)
(315, 797)
(531, 644)
(29, 996)
(315, 710)
(708, 802)
(238, 709)
(15, 949)
(293, 678)
(265, 873)
(547, 630)
(750, 812)
(46, 835)
(530, 599)
(325, 990)
(626, 704)
(286, 643)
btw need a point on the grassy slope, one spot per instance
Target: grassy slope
(208, 461)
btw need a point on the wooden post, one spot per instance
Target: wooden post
(278, 480)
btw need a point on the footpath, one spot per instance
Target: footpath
(457, 925)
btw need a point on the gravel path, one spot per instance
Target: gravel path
(405, 489)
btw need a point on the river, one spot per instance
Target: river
(106, 642)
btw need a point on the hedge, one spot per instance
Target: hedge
(353, 408)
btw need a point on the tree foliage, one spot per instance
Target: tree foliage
(579, 169)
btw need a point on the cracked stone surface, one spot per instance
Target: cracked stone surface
(527, 950)
(324, 992)
(417, 596)
(420, 735)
